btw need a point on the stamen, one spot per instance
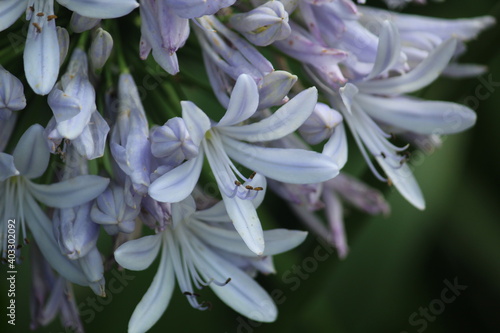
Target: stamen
(37, 26)
(40, 14)
(51, 17)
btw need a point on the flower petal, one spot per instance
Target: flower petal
(7, 167)
(69, 193)
(336, 146)
(178, 183)
(243, 294)
(100, 8)
(154, 303)
(388, 51)
(419, 116)
(243, 102)
(196, 121)
(41, 53)
(284, 121)
(296, 166)
(41, 229)
(247, 223)
(423, 74)
(31, 156)
(138, 254)
(10, 11)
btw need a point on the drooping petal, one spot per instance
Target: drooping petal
(41, 229)
(100, 8)
(178, 183)
(284, 121)
(154, 303)
(426, 72)
(41, 53)
(138, 254)
(294, 166)
(31, 156)
(243, 102)
(419, 116)
(246, 222)
(69, 193)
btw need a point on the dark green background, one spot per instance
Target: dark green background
(397, 264)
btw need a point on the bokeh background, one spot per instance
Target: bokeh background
(397, 265)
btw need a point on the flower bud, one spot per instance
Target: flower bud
(320, 125)
(100, 49)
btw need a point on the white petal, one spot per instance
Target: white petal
(423, 74)
(243, 294)
(216, 213)
(70, 193)
(336, 146)
(246, 222)
(31, 156)
(388, 51)
(196, 121)
(419, 116)
(296, 166)
(284, 121)
(138, 254)
(243, 102)
(178, 183)
(10, 11)
(154, 303)
(100, 8)
(41, 53)
(405, 182)
(41, 229)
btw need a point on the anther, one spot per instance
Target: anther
(26, 241)
(383, 154)
(248, 187)
(389, 182)
(37, 26)
(252, 175)
(227, 281)
(237, 183)
(40, 14)
(51, 17)
(258, 188)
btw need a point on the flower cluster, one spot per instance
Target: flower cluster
(136, 161)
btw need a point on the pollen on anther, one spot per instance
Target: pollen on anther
(237, 183)
(258, 188)
(40, 14)
(37, 27)
(51, 17)
(248, 187)
(252, 175)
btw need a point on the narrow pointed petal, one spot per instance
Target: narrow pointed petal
(31, 156)
(70, 193)
(294, 166)
(178, 183)
(388, 51)
(405, 182)
(336, 146)
(247, 223)
(284, 121)
(41, 53)
(138, 254)
(426, 72)
(196, 121)
(154, 303)
(243, 102)
(419, 116)
(216, 213)
(41, 229)
(100, 8)
(7, 167)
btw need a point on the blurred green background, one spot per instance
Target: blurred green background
(397, 265)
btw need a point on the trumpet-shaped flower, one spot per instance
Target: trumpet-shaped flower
(223, 141)
(201, 248)
(20, 193)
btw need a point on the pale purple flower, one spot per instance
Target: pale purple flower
(100, 49)
(223, 141)
(30, 160)
(201, 248)
(11, 94)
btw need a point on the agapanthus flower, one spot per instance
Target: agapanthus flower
(19, 195)
(201, 248)
(224, 140)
